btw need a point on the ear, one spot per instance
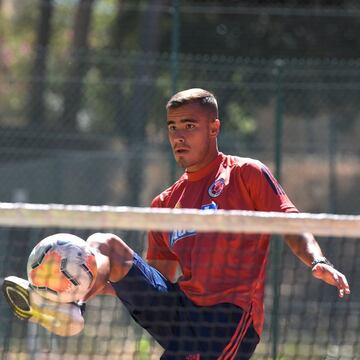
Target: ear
(215, 127)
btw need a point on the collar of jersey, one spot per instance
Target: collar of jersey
(198, 175)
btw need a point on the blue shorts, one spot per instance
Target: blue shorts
(183, 329)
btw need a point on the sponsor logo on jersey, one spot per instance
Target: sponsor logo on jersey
(212, 206)
(216, 187)
(177, 235)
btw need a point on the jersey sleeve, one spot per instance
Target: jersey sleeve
(157, 247)
(265, 191)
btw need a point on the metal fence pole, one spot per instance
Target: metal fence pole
(277, 244)
(175, 34)
(332, 150)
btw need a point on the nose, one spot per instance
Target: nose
(178, 137)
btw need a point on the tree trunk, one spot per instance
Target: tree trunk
(36, 106)
(118, 33)
(141, 99)
(79, 65)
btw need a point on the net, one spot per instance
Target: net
(130, 218)
(304, 319)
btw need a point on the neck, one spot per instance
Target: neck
(210, 158)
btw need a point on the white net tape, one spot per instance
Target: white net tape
(130, 218)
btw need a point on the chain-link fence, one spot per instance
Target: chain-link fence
(107, 144)
(84, 123)
(114, 150)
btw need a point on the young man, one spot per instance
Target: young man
(214, 310)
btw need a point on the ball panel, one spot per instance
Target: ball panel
(48, 274)
(41, 254)
(62, 268)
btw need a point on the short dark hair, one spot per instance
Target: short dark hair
(196, 95)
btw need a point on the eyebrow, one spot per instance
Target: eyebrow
(183, 121)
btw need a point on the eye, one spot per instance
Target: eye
(190, 126)
(171, 128)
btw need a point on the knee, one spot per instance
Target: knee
(106, 243)
(120, 255)
(101, 241)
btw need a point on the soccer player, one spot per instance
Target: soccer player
(200, 295)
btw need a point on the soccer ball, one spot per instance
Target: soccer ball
(62, 268)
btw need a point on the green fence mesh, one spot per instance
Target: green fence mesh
(87, 126)
(107, 144)
(303, 113)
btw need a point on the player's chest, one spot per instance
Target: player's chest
(217, 192)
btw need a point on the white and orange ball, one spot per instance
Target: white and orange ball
(62, 268)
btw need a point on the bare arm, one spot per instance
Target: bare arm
(307, 249)
(304, 246)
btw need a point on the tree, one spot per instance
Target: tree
(130, 103)
(36, 106)
(72, 93)
(143, 87)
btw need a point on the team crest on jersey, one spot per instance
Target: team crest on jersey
(216, 187)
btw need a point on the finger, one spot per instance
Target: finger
(343, 285)
(341, 293)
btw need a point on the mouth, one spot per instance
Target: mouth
(181, 150)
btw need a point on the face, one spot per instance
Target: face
(192, 134)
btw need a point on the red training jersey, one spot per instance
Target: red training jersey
(221, 267)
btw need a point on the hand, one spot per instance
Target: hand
(333, 277)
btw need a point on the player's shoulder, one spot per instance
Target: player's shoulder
(247, 168)
(243, 163)
(162, 199)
